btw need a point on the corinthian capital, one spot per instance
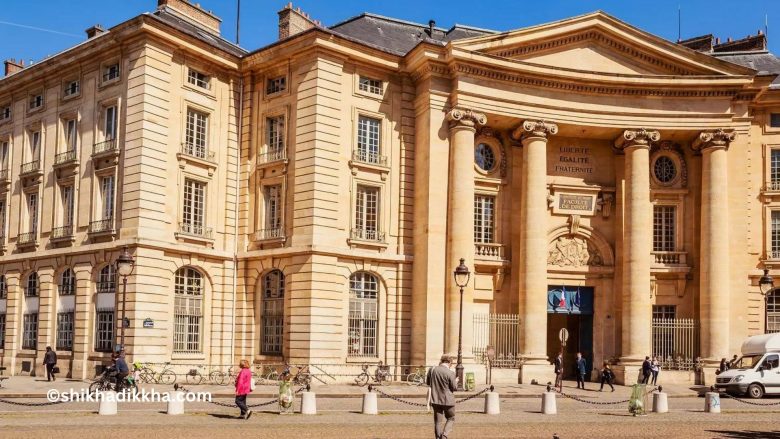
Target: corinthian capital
(638, 137)
(534, 128)
(714, 139)
(467, 118)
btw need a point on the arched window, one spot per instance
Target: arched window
(67, 283)
(273, 312)
(773, 311)
(106, 282)
(187, 310)
(363, 315)
(31, 289)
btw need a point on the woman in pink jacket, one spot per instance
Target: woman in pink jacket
(243, 387)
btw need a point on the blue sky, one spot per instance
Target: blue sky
(69, 18)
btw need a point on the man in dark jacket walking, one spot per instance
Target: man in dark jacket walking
(49, 362)
(647, 370)
(581, 367)
(442, 382)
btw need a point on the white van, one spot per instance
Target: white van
(758, 371)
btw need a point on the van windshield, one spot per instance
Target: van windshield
(749, 361)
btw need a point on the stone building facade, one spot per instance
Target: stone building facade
(308, 201)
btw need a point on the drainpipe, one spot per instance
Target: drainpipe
(235, 218)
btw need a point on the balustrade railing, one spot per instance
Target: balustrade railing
(670, 258)
(62, 232)
(197, 151)
(101, 226)
(104, 147)
(488, 250)
(369, 157)
(31, 167)
(272, 233)
(64, 157)
(198, 230)
(368, 235)
(27, 238)
(273, 155)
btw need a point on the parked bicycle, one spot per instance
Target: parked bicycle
(416, 378)
(165, 376)
(301, 378)
(381, 375)
(194, 377)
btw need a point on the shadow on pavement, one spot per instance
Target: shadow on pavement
(746, 434)
(222, 416)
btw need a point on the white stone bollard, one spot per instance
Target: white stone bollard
(660, 402)
(309, 403)
(548, 403)
(108, 404)
(369, 404)
(492, 404)
(712, 402)
(176, 402)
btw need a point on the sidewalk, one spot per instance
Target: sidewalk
(36, 387)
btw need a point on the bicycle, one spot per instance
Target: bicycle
(301, 378)
(194, 377)
(165, 376)
(416, 378)
(380, 376)
(217, 377)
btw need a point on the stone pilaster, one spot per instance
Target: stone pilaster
(637, 245)
(533, 239)
(714, 265)
(84, 312)
(13, 323)
(460, 236)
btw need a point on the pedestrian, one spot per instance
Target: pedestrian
(655, 368)
(442, 382)
(646, 370)
(243, 387)
(122, 371)
(50, 362)
(580, 366)
(607, 376)
(559, 371)
(733, 363)
(724, 366)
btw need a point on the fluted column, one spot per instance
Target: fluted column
(533, 239)
(714, 265)
(637, 244)
(460, 233)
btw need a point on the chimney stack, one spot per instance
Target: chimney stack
(197, 15)
(431, 25)
(12, 66)
(94, 31)
(294, 21)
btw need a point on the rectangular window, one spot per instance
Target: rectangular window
(65, 331)
(195, 133)
(367, 213)
(2, 219)
(2, 331)
(275, 134)
(71, 88)
(484, 214)
(194, 207)
(70, 134)
(107, 197)
(187, 322)
(4, 155)
(66, 193)
(30, 331)
(774, 169)
(32, 212)
(368, 139)
(5, 112)
(109, 125)
(198, 79)
(273, 207)
(774, 120)
(36, 101)
(664, 311)
(775, 238)
(664, 228)
(276, 85)
(373, 86)
(35, 146)
(111, 72)
(104, 331)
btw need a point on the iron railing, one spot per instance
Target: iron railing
(369, 157)
(64, 157)
(27, 238)
(31, 167)
(773, 186)
(273, 233)
(502, 333)
(198, 230)
(101, 226)
(489, 250)
(773, 254)
(197, 151)
(676, 343)
(109, 145)
(62, 232)
(368, 235)
(273, 155)
(3, 174)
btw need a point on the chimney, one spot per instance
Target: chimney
(717, 40)
(94, 31)
(197, 15)
(294, 21)
(431, 25)
(12, 66)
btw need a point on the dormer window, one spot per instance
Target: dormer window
(36, 101)
(111, 72)
(198, 79)
(71, 88)
(276, 85)
(368, 85)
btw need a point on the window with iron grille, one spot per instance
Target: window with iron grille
(664, 311)
(368, 138)
(66, 193)
(664, 228)
(198, 79)
(36, 101)
(32, 212)
(273, 313)
(104, 330)
(71, 88)
(111, 72)
(194, 205)
(5, 112)
(109, 122)
(30, 331)
(363, 315)
(67, 283)
(276, 85)
(188, 311)
(106, 281)
(31, 288)
(373, 86)
(70, 134)
(3, 287)
(367, 212)
(195, 133)
(484, 214)
(65, 331)
(273, 207)
(275, 133)
(35, 145)
(2, 331)
(773, 311)
(107, 197)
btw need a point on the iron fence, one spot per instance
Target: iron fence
(676, 343)
(502, 332)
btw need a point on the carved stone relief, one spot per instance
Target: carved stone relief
(573, 251)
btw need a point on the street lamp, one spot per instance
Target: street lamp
(462, 276)
(766, 284)
(124, 267)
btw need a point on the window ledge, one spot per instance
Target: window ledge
(70, 97)
(194, 238)
(210, 165)
(363, 360)
(376, 167)
(366, 243)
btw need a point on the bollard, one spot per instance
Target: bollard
(369, 404)
(712, 402)
(309, 403)
(492, 403)
(660, 402)
(548, 403)
(107, 403)
(176, 402)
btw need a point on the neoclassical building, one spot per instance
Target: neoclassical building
(309, 200)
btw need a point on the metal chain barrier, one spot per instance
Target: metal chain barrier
(403, 401)
(480, 393)
(260, 404)
(587, 401)
(746, 401)
(32, 404)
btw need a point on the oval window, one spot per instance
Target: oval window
(665, 169)
(484, 156)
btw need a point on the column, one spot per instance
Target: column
(714, 265)
(533, 239)
(637, 244)
(460, 230)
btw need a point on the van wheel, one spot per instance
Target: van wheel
(755, 391)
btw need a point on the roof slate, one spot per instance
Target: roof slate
(199, 33)
(764, 62)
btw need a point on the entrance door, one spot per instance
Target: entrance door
(570, 308)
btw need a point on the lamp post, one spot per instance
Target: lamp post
(462, 276)
(124, 267)
(766, 284)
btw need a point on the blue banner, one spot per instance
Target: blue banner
(569, 300)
